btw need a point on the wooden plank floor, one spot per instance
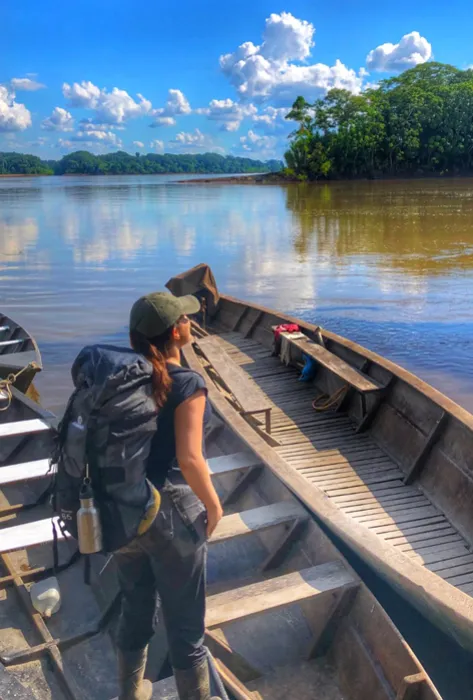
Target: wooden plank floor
(352, 470)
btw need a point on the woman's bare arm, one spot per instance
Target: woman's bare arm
(188, 427)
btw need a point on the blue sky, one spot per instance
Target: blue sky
(211, 75)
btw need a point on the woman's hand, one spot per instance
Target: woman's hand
(214, 515)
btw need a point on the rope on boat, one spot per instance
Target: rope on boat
(7, 383)
(329, 401)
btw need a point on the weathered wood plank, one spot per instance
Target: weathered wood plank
(439, 566)
(421, 458)
(23, 427)
(401, 517)
(439, 552)
(412, 687)
(347, 472)
(366, 495)
(332, 487)
(438, 525)
(232, 462)
(335, 364)
(247, 393)
(241, 485)
(22, 472)
(249, 521)
(277, 592)
(28, 535)
(458, 570)
(283, 547)
(417, 541)
(372, 507)
(218, 646)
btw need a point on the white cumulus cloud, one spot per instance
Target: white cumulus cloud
(177, 105)
(186, 141)
(287, 38)
(163, 121)
(114, 107)
(138, 144)
(92, 138)
(157, 146)
(254, 143)
(14, 116)
(272, 116)
(412, 50)
(92, 125)
(228, 113)
(273, 71)
(60, 120)
(26, 84)
(186, 138)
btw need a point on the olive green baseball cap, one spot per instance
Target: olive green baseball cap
(154, 313)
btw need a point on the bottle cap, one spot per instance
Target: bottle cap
(86, 490)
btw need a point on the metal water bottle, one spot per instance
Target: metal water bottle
(88, 521)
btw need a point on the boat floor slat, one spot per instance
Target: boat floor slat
(403, 516)
(427, 539)
(351, 469)
(439, 553)
(457, 570)
(455, 561)
(392, 507)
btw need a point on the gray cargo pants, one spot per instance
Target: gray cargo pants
(164, 571)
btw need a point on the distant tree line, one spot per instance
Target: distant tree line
(121, 163)
(418, 123)
(23, 164)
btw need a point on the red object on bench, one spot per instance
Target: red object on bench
(285, 328)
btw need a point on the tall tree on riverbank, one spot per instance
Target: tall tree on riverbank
(419, 122)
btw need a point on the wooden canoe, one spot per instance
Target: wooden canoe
(18, 350)
(388, 467)
(287, 617)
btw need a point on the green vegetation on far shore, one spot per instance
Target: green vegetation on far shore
(121, 163)
(418, 123)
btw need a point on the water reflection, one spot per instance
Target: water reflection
(388, 264)
(425, 228)
(17, 237)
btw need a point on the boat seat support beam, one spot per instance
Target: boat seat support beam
(421, 458)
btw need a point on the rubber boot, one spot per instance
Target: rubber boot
(131, 671)
(194, 683)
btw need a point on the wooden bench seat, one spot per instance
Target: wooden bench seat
(261, 597)
(248, 395)
(28, 535)
(256, 519)
(23, 427)
(39, 468)
(232, 462)
(359, 381)
(231, 526)
(25, 471)
(12, 342)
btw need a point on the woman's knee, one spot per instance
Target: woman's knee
(185, 653)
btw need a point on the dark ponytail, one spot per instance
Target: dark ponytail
(154, 349)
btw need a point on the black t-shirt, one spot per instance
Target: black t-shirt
(162, 462)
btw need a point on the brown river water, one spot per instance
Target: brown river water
(388, 264)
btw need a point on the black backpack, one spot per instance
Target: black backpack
(108, 424)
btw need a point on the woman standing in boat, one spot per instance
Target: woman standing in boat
(168, 562)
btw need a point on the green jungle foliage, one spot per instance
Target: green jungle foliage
(121, 163)
(418, 123)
